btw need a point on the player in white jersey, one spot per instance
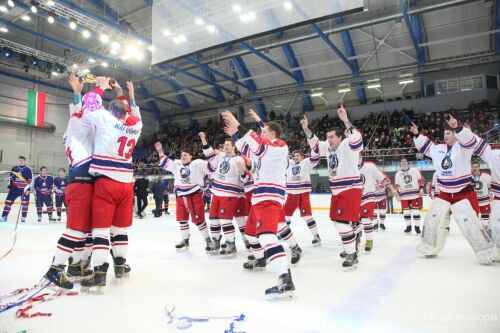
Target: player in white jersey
(373, 179)
(298, 187)
(189, 180)
(482, 185)
(117, 133)
(268, 197)
(452, 161)
(409, 184)
(79, 144)
(227, 189)
(492, 158)
(342, 149)
(433, 187)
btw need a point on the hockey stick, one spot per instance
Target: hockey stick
(14, 239)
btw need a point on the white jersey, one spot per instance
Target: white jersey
(226, 175)
(452, 163)
(482, 185)
(188, 178)
(248, 181)
(114, 144)
(78, 140)
(342, 162)
(372, 179)
(492, 157)
(298, 175)
(269, 167)
(408, 183)
(433, 188)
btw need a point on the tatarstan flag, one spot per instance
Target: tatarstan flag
(36, 108)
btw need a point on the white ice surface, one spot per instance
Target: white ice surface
(394, 289)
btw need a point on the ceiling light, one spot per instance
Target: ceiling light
(406, 75)
(166, 32)
(199, 21)
(317, 94)
(3, 9)
(4, 29)
(374, 86)
(11, 3)
(211, 28)
(91, 60)
(344, 90)
(180, 39)
(26, 18)
(7, 54)
(33, 9)
(288, 5)
(50, 19)
(72, 25)
(104, 38)
(406, 81)
(151, 48)
(104, 64)
(373, 80)
(50, 3)
(54, 73)
(115, 46)
(237, 8)
(86, 34)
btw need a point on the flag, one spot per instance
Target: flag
(36, 108)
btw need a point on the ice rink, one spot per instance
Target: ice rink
(393, 290)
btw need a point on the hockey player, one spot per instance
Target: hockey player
(492, 157)
(482, 185)
(117, 133)
(381, 204)
(268, 197)
(166, 193)
(409, 184)
(452, 161)
(373, 179)
(227, 189)
(298, 187)
(342, 149)
(19, 186)
(60, 183)
(79, 143)
(433, 187)
(43, 186)
(189, 177)
(207, 194)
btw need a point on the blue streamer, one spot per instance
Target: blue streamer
(185, 322)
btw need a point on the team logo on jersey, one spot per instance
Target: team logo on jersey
(222, 210)
(185, 172)
(340, 212)
(258, 164)
(365, 210)
(197, 216)
(363, 179)
(333, 161)
(446, 163)
(296, 170)
(478, 185)
(44, 184)
(407, 179)
(224, 166)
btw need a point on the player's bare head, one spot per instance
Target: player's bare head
(476, 167)
(334, 137)
(298, 156)
(160, 176)
(22, 160)
(186, 156)
(118, 109)
(272, 130)
(62, 171)
(229, 146)
(449, 136)
(404, 163)
(43, 170)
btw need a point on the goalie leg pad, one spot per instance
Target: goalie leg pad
(472, 228)
(436, 228)
(495, 225)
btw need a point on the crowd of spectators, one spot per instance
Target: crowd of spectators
(385, 134)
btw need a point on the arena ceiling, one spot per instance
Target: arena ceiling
(355, 57)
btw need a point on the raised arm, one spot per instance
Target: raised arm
(256, 117)
(165, 163)
(423, 143)
(354, 136)
(209, 153)
(242, 135)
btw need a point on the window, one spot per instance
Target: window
(471, 83)
(447, 86)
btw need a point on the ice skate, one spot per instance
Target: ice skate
(96, 283)
(382, 226)
(283, 291)
(3, 219)
(58, 277)
(183, 245)
(229, 251)
(417, 230)
(296, 254)
(350, 262)
(408, 229)
(77, 272)
(39, 219)
(316, 240)
(120, 267)
(255, 264)
(216, 245)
